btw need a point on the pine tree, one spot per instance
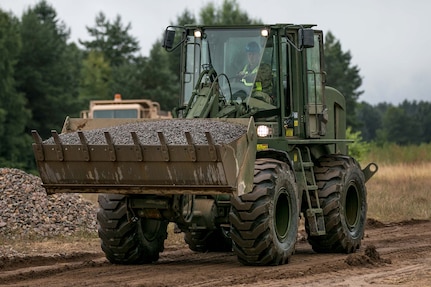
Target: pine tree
(112, 40)
(343, 76)
(47, 70)
(15, 149)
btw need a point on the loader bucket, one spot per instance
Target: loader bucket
(135, 158)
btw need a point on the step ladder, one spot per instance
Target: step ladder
(314, 212)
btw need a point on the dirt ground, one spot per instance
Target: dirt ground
(396, 254)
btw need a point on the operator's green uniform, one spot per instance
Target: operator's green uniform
(262, 77)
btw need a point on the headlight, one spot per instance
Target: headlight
(262, 131)
(198, 33)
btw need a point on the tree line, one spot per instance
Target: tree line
(45, 77)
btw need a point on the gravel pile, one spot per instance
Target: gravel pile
(26, 210)
(173, 130)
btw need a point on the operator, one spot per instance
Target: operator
(257, 76)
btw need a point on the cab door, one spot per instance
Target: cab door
(315, 80)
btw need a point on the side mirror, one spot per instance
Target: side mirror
(306, 38)
(168, 41)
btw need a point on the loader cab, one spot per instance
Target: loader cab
(290, 104)
(225, 53)
(124, 109)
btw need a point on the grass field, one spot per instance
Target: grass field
(400, 192)
(401, 189)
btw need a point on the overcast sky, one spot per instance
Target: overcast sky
(388, 39)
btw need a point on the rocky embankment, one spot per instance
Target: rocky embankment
(26, 211)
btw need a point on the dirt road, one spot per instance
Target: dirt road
(396, 254)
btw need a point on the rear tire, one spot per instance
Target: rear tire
(264, 222)
(208, 241)
(124, 241)
(342, 194)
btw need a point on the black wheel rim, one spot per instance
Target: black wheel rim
(352, 206)
(282, 214)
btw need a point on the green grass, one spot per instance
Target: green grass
(395, 154)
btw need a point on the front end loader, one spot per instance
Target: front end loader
(245, 157)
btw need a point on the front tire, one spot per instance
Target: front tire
(264, 222)
(125, 241)
(342, 195)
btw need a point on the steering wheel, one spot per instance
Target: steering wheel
(237, 90)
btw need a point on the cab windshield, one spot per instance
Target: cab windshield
(241, 59)
(115, 113)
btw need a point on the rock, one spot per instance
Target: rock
(173, 130)
(26, 210)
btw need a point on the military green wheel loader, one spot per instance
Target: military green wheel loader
(246, 156)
